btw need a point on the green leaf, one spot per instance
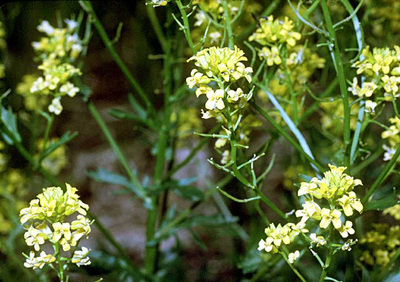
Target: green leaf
(386, 201)
(9, 126)
(135, 105)
(86, 91)
(104, 261)
(210, 221)
(169, 215)
(188, 223)
(305, 177)
(105, 176)
(67, 137)
(188, 192)
(130, 116)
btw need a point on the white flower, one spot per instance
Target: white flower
(71, 24)
(81, 257)
(69, 89)
(200, 18)
(46, 28)
(215, 37)
(370, 106)
(293, 256)
(389, 152)
(319, 240)
(55, 106)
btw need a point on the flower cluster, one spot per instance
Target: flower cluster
(380, 244)
(336, 189)
(381, 71)
(279, 236)
(218, 73)
(57, 53)
(273, 32)
(209, 19)
(46, 220)
(34, 103)
(221, 66)
(393, 137)
(294, 64)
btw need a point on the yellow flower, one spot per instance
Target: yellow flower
(328, 216)
(310, 209)
(196, 78)
(215, 100)
(349, 202)
(234, 95)
(271, 56)
(223, 63)
(346, 229)
(275, 31)
(61, 230)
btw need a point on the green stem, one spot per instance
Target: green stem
(270, 204)
(150, 262)
(114, 145)
(60, 271)
(228, 25)
(186, 28)
(293, 268)
(192, 154)
(342, 79)
(286, 136)
(87, 6)
(302, 141)
(156, 25)
(382, 176)
(47, 132)
(329, 255)
(357, 133)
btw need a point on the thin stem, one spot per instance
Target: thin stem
(47, 131)
(60, 271)
(87, 6)
(293, 268)
(96, 115)
(286, 136)
(186, 28)
(329, 255)
(229, 196)
(228, 25)
(192, 154)
(305, 21)
(156, 25)
(291, 125)
(335, 52)
(270, 204)
(382, 176)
